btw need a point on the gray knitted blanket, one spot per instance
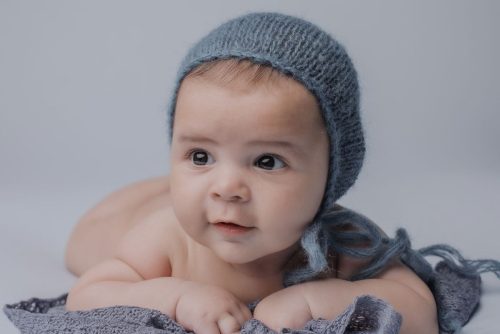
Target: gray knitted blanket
(456, 293)
(365, 315)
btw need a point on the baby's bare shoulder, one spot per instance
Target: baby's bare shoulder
(129, 197)
(96, 235)
(150, 246)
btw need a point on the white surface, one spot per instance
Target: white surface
(84, 86)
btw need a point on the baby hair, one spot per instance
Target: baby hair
(227, 71)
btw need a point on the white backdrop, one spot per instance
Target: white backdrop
(84, 86)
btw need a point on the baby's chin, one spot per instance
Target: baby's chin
(235, 254)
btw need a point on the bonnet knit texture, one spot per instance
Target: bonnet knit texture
(303, 51)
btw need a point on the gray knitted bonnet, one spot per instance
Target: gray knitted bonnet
(303, 51)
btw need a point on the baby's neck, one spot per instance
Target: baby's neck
(248, 281)
(270, 267)
(257, 279)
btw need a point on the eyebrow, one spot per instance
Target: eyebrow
(279, 143)
(196, 139)
(259, 142)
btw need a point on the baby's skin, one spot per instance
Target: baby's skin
(217, 233)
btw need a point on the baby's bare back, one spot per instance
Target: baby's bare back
(97, 234)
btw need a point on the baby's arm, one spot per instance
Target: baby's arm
(140, 275)
(328, 298)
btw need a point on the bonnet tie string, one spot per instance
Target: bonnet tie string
(455, 281)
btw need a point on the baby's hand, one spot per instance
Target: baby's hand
(287, 308)
(207, 309)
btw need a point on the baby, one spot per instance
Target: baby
(265, 138)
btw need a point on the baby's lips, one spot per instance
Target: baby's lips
(229, 222)
(232, 229)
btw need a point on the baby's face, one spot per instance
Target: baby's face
(248, 166)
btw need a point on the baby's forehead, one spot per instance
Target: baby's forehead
(277, 102)
(287, 101)
(255, 111)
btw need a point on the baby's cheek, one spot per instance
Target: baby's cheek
(183, 202)
(298, 205)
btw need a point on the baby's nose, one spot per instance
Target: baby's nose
(231, 187)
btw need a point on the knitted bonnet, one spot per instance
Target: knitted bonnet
(309, 55)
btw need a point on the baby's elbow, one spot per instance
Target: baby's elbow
(419, 313)
(412, 298)
(71, 304)
(426, 322)
(434, 324)
(82, 295)
(88, 296)
(73, 300)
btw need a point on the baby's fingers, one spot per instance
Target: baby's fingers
(245, 313)
(241, 313)
(206, 328)
(228, 324)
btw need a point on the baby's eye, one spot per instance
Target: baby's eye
(269, 162)
(200, 158)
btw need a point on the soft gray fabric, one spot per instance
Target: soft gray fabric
(366, 314)
(455, 312)
(457, 295)
(455, 282)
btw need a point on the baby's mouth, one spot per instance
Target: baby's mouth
(232, 228)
